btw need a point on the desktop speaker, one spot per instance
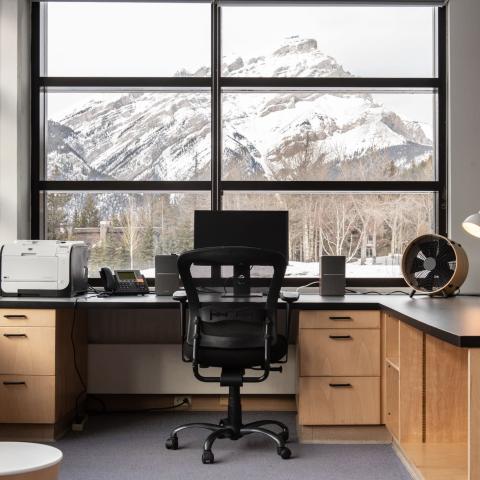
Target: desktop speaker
(166, 274)
(332, 275)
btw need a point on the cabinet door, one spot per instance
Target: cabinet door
(339, 401)
(27, 350)
(27, 399)
(392, 401)
(339, 319)
(341, 352)
(26, 317)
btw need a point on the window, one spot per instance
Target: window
(335, 113)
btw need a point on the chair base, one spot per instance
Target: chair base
(233, 428)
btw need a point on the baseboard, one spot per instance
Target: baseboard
(35, 432)
(200, 403)
(343, 434)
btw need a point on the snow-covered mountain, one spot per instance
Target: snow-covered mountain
(166, 136)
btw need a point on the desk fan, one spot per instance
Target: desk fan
(435, 265)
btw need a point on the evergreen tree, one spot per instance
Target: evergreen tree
(146, 249)
(89, 216)
(57, 217)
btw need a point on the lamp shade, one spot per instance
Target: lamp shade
(472, 224)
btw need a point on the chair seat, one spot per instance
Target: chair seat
(238, 357)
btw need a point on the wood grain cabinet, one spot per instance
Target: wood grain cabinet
(339, 360)
(430, 398)
(39, 384)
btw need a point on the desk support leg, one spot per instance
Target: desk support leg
(474, 414)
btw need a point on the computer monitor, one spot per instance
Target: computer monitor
(260, 229)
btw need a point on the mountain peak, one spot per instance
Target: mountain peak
(296, 45)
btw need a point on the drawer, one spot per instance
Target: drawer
(10, 317)
(339, 401)
(27, 350)
(339, 352)
(27, 399)
(339, 319)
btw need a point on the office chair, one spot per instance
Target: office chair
(234, 335)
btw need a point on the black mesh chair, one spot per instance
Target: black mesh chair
(235, 335)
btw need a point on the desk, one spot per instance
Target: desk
(421, 354)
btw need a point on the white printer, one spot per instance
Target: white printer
(45, 268)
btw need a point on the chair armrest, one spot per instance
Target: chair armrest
(180, 295)
(288, 296)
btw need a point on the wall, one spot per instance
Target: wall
(14, 119)
(464, 141)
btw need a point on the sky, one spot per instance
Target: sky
(158, 39)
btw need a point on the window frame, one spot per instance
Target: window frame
(215, 84)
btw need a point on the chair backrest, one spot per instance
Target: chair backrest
(232, 324)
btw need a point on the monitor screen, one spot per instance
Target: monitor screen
(260, 229)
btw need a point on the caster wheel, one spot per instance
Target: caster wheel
(284, 436)
(284, 452)
(172, 443)
(207, 457)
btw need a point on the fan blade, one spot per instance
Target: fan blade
(421, 274)
(416, 265)
(421, 255)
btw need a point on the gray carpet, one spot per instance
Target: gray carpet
(126, 447)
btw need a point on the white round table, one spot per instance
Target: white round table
(29, 461)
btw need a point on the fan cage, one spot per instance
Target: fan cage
(435, 265)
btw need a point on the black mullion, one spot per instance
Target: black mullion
(216, 107)
(329, 82)
(123, 186)
(442, 201)
(125, 82)
(35, 124)
(332, 186)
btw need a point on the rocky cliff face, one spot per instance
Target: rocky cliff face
(283, 135)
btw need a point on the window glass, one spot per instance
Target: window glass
(128, 39)
(370, 229)
(325, 41)
(125, 230)
(328, 136)
(128, 136)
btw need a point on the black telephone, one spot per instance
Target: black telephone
(123, 282)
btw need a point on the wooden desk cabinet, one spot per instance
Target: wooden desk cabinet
(339, 368)
(432, 403)
(38, 381)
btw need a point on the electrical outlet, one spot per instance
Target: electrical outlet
(183, 398)
(78, 424)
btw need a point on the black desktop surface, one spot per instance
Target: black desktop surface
(454, 320)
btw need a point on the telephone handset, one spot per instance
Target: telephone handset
(123, 282)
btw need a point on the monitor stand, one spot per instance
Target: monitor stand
(241, 283)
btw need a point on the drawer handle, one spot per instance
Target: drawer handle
(14, 383)
(9, 335)
(340, 385)
(341, 337)
(340, 318)
(16, 317)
